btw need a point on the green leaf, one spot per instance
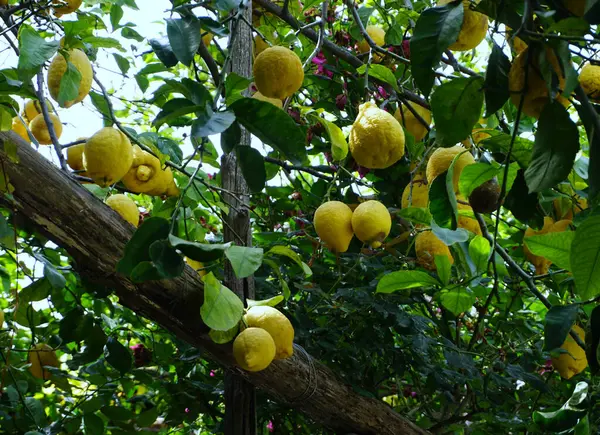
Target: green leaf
(252, 165)
(101, 105)
(145, 271)
(479, 251)
(443, 268)
(289, 253)
(380, 72)
(69, 85)
(36, 291)
(5, 119)
(474, 176)
(231, 137)
(130, 33)
(162, 49)
(555, 247)
(440, 203)
(117, 355)
(272, 126)
(138, 248)
(36, 410)
(165, 258)
(558, 323)
(394, 35)
(521, 151)
(416, 215)
(199, 251)
(147, 418)
(271, 302)
(93, 424)
(122, 63)
(175, 108)
(496, 81)
(185, 38)
(222, 309)
(436, 29)
(457, 300)
(571, 76)
(405, 279)
(449, 237)
(592, 340)
(235, 86)
(210, 123)
(456, 106)
(34, 51)
(588, 116)
(556, 145)
(54, 277)
(222, 337)
(244, 260)
(568, 415)
(585, 258)
(339, 145)
(117, 413)
(116, 13)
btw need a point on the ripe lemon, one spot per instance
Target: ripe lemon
(376, 138)
(478, 134)
(207, 39)
(20, 128)
(333, 224)
(33, 108)
(466, 222)
(273, 101)
(196, 265)
(419, 197)
(542, 265)
(589, 78)
(473, 30)
(147, 176)
(260, 45)
(275, 323)
(377, 34)
(125, 206)
(517, 44)
(442, 158)
(107, 156)
(254, 349)
(39, 356)
(66, 6)
(75, 157)
(427, 246)
(536, 90)
(57, 69)
(278, 72)
(576, 7)
(574, 362)
(565, 208)
(39, 129)
(411, 123)
(371, 222)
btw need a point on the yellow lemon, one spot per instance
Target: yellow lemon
(196, 265)
(371, 222)
(39, 129)
(107, 156)
(473, 30)
(333, 224)
(518, 45)
(411, 123)
(125, 206)
(273, 101)
(57, 69)
(466, 222)
(207, 39)
(574, 362)
(427, 246)
(565, 208)
(275, 323)
(419, 196)
(478, 134)
(376, 138)
(278, 72)
(20, 128)
(33, 108)
(377, 34)
(75, 157)
(442, 158)
(589, 78)
(254, 349)
(146, 175)
(39, 356)
(66, 6)
(260, 45)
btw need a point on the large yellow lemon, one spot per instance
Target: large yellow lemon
(39, 129)
(427, 246)
(419, 196)
(125, 206)
(275, 323)
(57, 69)
(442, 158)
(473, 29)
(254, 349)
(411, 123)
(333, 224)
(377, 34)
(589, 78)
(20, 128)
(39, 356)
(278, 72)
(107, 156)
(371, 222)
(146, 175)
(467, 222)
(574, 362)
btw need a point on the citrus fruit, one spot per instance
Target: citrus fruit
(254, 349)
(574, 361)
(371, 222)
(39, 356)
(427, 246)
(146, 175)
(278, 72)
(33, 108)
(467, 222)
(377, 34)
(589, 78)
(196, 265)
(275, 323)
(517, 44)
(260, 45)
(66, 6)
(333, 224)
(411, 123)
(20, 128)
(419, 196)
(58, 68)
(273, 101)
(485, 198)
(75, 157)
(473, 30)
(39, 129)
(442, 158)
(125, 206)
(107, 156)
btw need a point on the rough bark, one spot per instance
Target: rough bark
(95, 236)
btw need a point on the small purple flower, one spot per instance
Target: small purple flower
(362, 171)
(340, 101)
(212, 374)
(320, 61)
(187, 410)
(382, 92)
(270, 426)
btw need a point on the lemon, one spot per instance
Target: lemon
(196, 265)
(39, 129)
(125, 206)
(333, 224)
(518, 45)
(376, 138)
(536, 89)
(411, 123)
(75, 157)
(107, 156)
(207, 39)
(478, 134)
(468, 223)
(58, 67)
(39, 356)
(66, 6)
(1, 319)
(589, 78)
(273, 101)
(442, 158)
(275, 323)
(419, 197)
(278, 72)
(20, 128)
(254, 349)
(473, 30)
(371, 222)
(147, 176)
(33, 108)
(427, 246)
(260, 45)
(542, 265)
(377, 34)
(574, 362)
(576, 7)
(565, 207)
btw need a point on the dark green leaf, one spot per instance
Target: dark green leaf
(585, 258)
(588, 116)
(174, 109)
(34, 51)
(592, 340)
(138, 248)
(252, 164)
(117, 355)
(440, 205)
(231, 137)
(122, 63)
(521, 150)
(116, 13)
(244, 260)
(559, 320)
(199, 251)
(93, 424)
(35, 410)
(69, 85)
(117, 413)
(101, 105)
(145, 271)
(520, 202)
(36, 291)
(210, 123)
(496, 81)
(162, 49)
(405, 279)
(568, 415)
(474, 176)
(222, 309)
(148, 417)
(185, 38)
(166, 259)
(130, 33)
(54, 277)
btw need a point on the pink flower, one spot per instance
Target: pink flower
(382, 92)
(362, 171)
(187, 410)
(340, 101)
(212, 374)
(406, 48)
(270, 426)
(320, 61)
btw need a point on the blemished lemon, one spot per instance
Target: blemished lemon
(371, 222)
(278, 72)
(376, 138)
(442, 158)
(196, 265)
(473, 30)
(427, 246)
(126, 207)
(333, 224)
(411, 123)
(273, 101)
(19, 127)
(589, 78)
(275, 323)
(39, 129)
(419, 196)
(107, 156)
(254, 349)
(574, 362)
(57, 69)
(39, 356)
(33, 108)
(146, 175)
(66, 6)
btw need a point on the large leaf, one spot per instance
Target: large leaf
(210, 123)
(166, 259)
(162, 49)
(456, 106)
(457, 300)
(555, 247)
(272, 126)
(568, 415)
(252, 164)
(244, 260)
(436, 29)
(380, 72)
(69, 85)
(521, 151)
(199, 251)
(405, 279)
(34, 51)
(185, 38)
(496, 81)
(556, 145)
(585, 258)
(473, 176)
(339, 145)
(175, 108)
(138, 248)
(479, 251)
(117, 355)
(559, 320)
(520, 202)
(222, 309)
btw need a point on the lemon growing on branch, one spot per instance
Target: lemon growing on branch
(278, 72)
(371, 223)
(333, 224)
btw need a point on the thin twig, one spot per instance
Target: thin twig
(49, 123)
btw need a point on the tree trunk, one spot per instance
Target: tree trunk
(95, 237)
(240, 395)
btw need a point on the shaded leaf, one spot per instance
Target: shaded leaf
(199, 251)
(405, 279)
(585, 258)
(117, 355)
(184, 37)
(137, 249)
(244, 260)
(496, 81)
(558, 323)
(222, 309)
